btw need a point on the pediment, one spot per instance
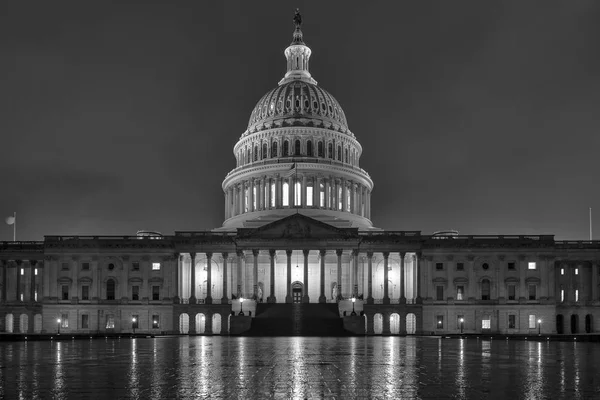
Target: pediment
(297, 227)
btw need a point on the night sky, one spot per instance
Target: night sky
(476, 116)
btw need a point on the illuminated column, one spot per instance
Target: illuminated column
(322, 298)
(224, 299)
(272, 298)
(316, 192)
(370, 277)
(402, 274)
(32, 264)
(4, 265)
(240, 260)
(327, 193)
(386, 298)
(278, 191)
(305, 298)
(255, 274)
(267, 193)
(18, 287)
(208, 278)
(288, 297)
(291, 184)
(418, 273)
(193, 278)
(339, 253)
(355, 273)
(303, 199)
(261, 194)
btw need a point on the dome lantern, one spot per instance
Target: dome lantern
(297, 55)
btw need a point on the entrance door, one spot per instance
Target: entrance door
(297, 295)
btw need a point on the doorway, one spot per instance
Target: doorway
(297, 289)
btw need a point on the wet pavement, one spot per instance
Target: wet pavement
(299, 368)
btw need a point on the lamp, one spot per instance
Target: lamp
(462, 322)
(353, 313)
(539, 326)
(133, 321)
(58, 325)
(241, 306)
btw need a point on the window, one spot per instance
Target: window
(297, 194)
(135, 266)
(135, 321)
(254, 202)
(65, 292)
(485, 266)
(531, 265)
(272, 199)
(576, 294)
(85, 266)
(340, 198)
(155, 292)
(346, 156)
(110, 289)
(22, 271)
(110, 321)
(512, 321)
(155, 266)
(460, 266)
(440, 322)
(84, 321)
(135, 293)
(297, 148)
(85, 292)
(309, 148)
(532, 292)
(35, 271)
(64, 320)
(255, 158)
(512, 292)
(511, 265)
(309, 196)
(111, 266)
(460, 292)
(286, 148)
(531, 321)
(439, 290)
(486, 323)
(65, 266)
(320, 152)
(485, 289)
(339, 153)
(274, 150)
(321, 195)
(562, 293)
(576, 271)
(439, 266)
(265, 152)
(285, 198)
(155, 322)
(330, 151)
(562, 271)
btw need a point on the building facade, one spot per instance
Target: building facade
(297, 230)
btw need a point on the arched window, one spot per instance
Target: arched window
(297, 193)
(321, 195)
(255, 153)
(330, 151)
(339, 153)
(346, 155)
(285, 195)
(110, 289)
(485, 289)
(297, 148)
(249, 156)
(286, 148)
(274, 150)
(309, 148)
(264, 151)
(320, 150)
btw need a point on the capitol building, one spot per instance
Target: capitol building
(297, 254)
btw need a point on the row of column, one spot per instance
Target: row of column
(288, 299)
(257, 194)
(18, 265)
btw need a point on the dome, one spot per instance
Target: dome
(297, 103)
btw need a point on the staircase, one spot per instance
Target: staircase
(297, 319)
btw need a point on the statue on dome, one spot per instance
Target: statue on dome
(297, 18)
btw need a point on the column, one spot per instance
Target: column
(272, 298)
(327, 193)
(417, 268)
(4, 265)
(305, 298)
(176, 280)
(303, 197)
(344, 195)
(339, 253)
(208, 278)
(240, 259)
(402, 276)
(336, 195)
(255, 274)
(353, 197)
(226, 195)
(278, 192)
(471, 273)
(594, 266)
(32, 264)
(355, 273)
(18, 287)
(322, 298)
(224, 299)
(316, 192)
(251, 197)
(370, 277)
(288, 278)
(193, 279)
(386, 298)
(261, 194)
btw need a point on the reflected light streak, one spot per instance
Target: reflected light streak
(534, 380)
(298, 368)
(392, 380)
(58, 392)
(461, 383)
(133, 379)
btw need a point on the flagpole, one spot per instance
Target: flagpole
(590, 223)
(15, 226)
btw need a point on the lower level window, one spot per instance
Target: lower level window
(64, 321)
(155, 292)
(531, 321)
(440, 322)
(110, 322)
(155, 321)
(512, 321)
(85, 321)
(486, 323)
